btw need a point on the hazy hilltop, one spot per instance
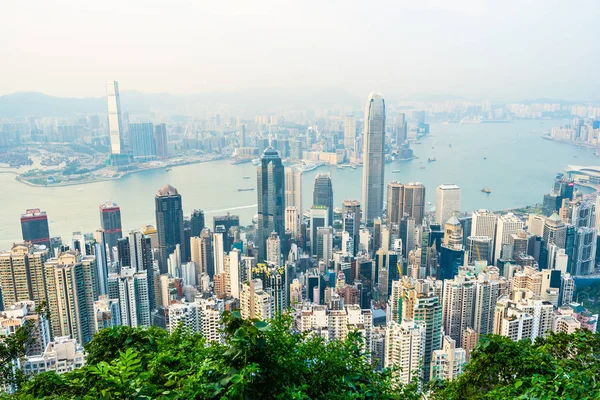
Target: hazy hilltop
(23, 104)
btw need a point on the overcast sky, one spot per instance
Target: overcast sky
(478, 49)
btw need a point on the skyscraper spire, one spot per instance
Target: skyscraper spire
(373, 158)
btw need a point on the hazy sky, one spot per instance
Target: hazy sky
(480, 49)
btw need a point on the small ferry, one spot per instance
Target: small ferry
(167, 169)
(246, 190)
(431, 160)
(396, 171)
(486, 190)
(245, 177)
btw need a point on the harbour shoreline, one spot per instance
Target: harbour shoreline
(120, 175)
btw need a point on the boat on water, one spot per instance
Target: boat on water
(245, 177)
(485, 158)
(395, 171)
(431, 160)
(167, 169)
(423, 167)
(417, 142)
(256, 161)
(240, 161)
(449, 145)
(310, 167)
(486, 190)
(246, 190)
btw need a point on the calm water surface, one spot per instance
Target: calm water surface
(519, 168)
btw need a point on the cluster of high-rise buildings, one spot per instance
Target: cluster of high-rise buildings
(581, 131)
(420, 287)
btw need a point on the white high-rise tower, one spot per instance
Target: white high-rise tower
(447, 201)
(373, 158)
(115, 123)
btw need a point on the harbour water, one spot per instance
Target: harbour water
(511, 159)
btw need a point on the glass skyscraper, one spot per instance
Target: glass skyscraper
(169, 224)
(271, 199)
(373, 158)
(323, 194)
(34, 226)
(110, 221)
(142, 140)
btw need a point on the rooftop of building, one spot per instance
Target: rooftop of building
(167, 190)
(108, 205)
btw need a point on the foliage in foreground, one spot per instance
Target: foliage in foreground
(258, 361)
(560, 366)
(273, 361)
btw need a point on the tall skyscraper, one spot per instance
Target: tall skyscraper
(115, 123)
(414, 201)
(351, 221)
(453, 233)
(422, 302)
(271, 199)
(222, 224)
(373, 158)
(274, 249)
(458, 303)
(169, 224)
(22, 274)
(584, 252)
(555, 231)
(349, 132)
(218, 253)
(486, 295)
(34, 227)
(196, 222)
(71, 295)
(507, 225)
(319, 218)
(142, 140)
(202, 253)
(404, 346)
(132, 289)
(395, 204)
(479, 248)
(323, 194)
(401, 129)
(447, 201)
(483, 223)
(110, 221)
(160, 140)
(292, 221)
(293, 188)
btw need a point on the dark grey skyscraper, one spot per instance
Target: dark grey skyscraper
(323, 194)
(196, 222)
(169, 224)
(34, 226)
(373, 158)
(222, 224)
(110, 221)
(271, 199)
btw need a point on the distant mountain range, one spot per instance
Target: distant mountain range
(24, 104)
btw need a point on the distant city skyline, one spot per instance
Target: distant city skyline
(462, 48)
